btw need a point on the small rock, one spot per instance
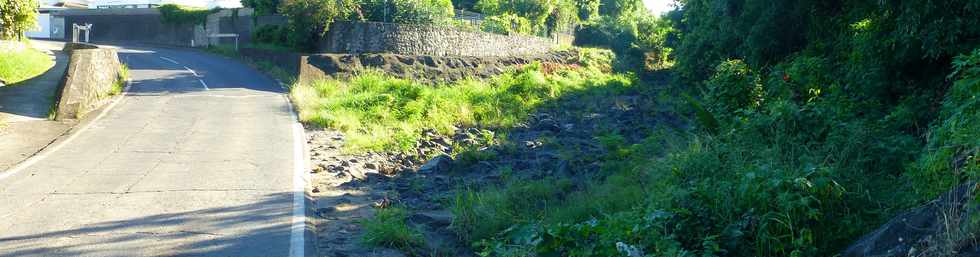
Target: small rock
(532, 144)
(370, 165)
(316, 189)
(318, 169)
(439, 164)
(439, 218)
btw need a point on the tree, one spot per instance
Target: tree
(262, 7)
(16, 17)
(616, 8)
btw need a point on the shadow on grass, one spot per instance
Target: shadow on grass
(34, 97)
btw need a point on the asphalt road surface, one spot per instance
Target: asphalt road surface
(199, 158)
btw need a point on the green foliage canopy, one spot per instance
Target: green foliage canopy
(262, 7)
(310, 19)
(16, 17)
(177, 14)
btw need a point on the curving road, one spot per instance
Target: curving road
(199, 158)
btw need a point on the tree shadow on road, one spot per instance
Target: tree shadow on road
(259, 228)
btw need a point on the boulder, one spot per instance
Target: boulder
(923, 231)
(439, 164)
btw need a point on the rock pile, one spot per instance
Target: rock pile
(944, 227)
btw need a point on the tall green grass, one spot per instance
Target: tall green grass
(389, 228)
(381, 113)
(20, 65)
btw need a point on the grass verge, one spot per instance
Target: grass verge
(18, 64)
(381, 113)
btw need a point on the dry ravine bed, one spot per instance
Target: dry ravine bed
(351, 188)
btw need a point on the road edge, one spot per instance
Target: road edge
(66, 137)
(300, 227)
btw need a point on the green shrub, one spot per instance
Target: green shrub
(178, 14)
(641, 39)
(271, 34)
(408, 11)
(544, 17)
(954, 142)
(309, 20)
(733, 88)
(506, 24)
(601, 59)
(16, 17)
(120, 84)
(388, 228)
(262, 7)
(481, 215)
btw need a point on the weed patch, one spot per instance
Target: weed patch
(388, 228)
(378, 112)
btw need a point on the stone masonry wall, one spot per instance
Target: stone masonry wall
(407, 39)
(89, 80)
(308, 67)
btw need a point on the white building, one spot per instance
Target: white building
(210, 4)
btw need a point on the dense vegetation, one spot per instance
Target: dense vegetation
(17, 17)
(816, 121)
(813, 123)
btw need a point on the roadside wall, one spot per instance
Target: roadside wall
(89, 80)
(407, 39)
(231, 21)
(308, 67)
(127, 25)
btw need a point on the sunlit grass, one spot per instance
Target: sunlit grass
(20, 64)
(382, 113)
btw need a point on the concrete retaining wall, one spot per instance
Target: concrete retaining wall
(127, 25)
(374, 37)
(89, 80)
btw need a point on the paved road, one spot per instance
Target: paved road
(24, 108)
(176, 168)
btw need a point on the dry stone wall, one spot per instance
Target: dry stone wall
(407, 39)
(88, 82)
(436, 69)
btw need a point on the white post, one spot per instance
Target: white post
(77, 28)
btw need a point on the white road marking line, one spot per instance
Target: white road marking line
(192, 72)
(297, 243)
(204, 84)
(54, 148)
(169, 60)
(221, 96)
